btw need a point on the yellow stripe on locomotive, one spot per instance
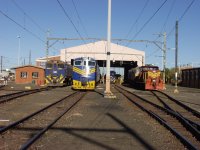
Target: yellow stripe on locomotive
(146, 77)
(78, 85)
(51, 79)
(85, 73)
(153, 74)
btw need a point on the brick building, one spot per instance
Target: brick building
(29, 74)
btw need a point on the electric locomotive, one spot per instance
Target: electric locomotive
(58, 73)
(146, 78)
(86, 73)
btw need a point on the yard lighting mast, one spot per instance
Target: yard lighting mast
(164, 57)
(107, 92)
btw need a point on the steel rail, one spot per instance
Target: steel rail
(195, 124)
(11, 96)
(4, 129)
(1, 86)
(183, 121)
(196, 113)
(40, 133)
(188, 144)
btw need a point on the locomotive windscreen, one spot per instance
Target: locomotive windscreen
(91, 63)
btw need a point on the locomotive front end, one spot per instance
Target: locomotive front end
(154, 80)
(84, 74)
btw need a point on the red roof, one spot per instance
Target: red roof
(28, 66)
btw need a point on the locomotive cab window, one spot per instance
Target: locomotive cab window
(60, 66)
(49, 66)
(91, 63)
(77, 63)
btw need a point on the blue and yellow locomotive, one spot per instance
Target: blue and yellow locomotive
(86, 73)
(58, 73)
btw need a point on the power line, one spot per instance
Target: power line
(169, 13)
(80, 18)
(164, 25)
(137, 19)
(148, 20)
(33, 34)
(34, 22)
(181, 17)
(67, 16)
(153, 52)
(186, 11)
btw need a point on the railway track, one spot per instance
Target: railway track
(12, 96)
(2, 86)
(191, 115)
(172, 120)
(24, 132)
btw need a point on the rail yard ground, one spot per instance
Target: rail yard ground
(95, 122)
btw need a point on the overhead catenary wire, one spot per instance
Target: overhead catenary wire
(165, 23)
(145, 24)
(33, 21)
(181, 17)
(163, 27)
(81, 22)
(68, 18)
(21, 26)
(169, 13)
(137, 19)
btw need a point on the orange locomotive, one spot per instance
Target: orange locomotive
(146, 77)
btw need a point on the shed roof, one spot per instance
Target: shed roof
(98, 50)
(44, 59)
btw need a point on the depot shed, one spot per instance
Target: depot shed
(98, 51)
(29, 74)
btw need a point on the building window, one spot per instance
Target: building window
(23, 75)
(35, 75)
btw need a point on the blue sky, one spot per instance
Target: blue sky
(48, 15)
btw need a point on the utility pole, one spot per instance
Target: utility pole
(30, 57)
(164, 49)
(65, 55)
(107, 92)
(176, 59)
(164, 57)
(103, 72)
(1, 63)
(19, 44)
(47, 49)
(47, 45)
